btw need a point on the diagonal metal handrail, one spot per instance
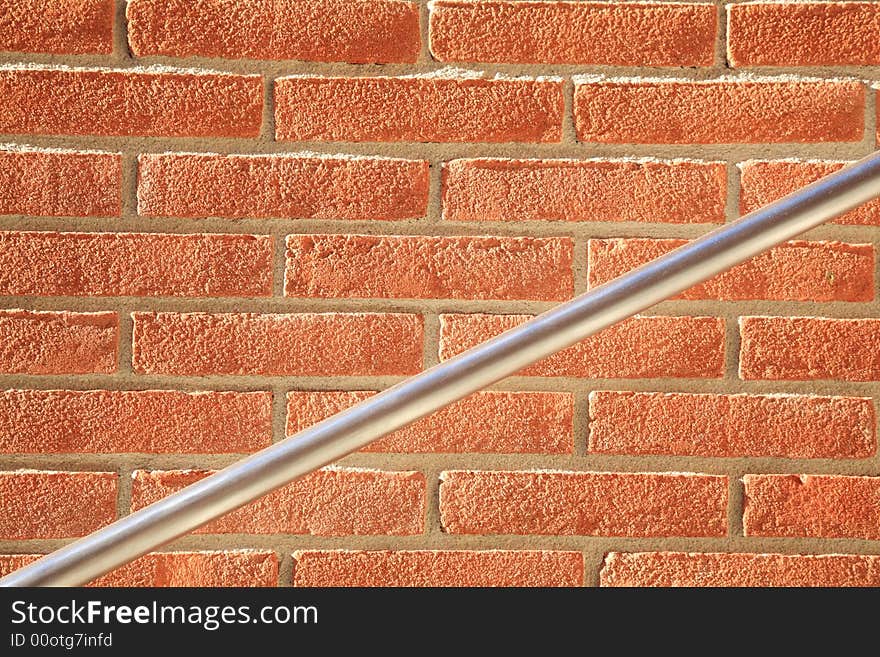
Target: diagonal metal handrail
(561, 327)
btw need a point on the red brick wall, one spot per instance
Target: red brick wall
(222, 222)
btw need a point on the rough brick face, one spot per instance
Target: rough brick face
(286, 186)
(421, 109)
(437, 568)
(45, 100)
(429, 267)
(379, 31)
(33, 342)
(626, 34)
(647, 191)
(795, 271)
(148, 421)
(803, 34)
(329, 502)
(228, 568)
(583, 503)
(55, 504)
(718, 112)
(765, 181)
(134, 264)
(806, 348)
(64, 27)
(485, 422)
(55, 183)
(200, 344)
(790, 426)
(823, 506)
(716, 569)
(640, 347)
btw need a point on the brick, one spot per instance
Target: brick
(722, 569)
(214, 568)
(485, 422)
(135, 264)
(429, 267)
(639, 347)
(56, 183)
(765, 181)
(643, 191)
(419, 109)
(590, 33)
(808, 348)
(583, 503)
(285, 186)
(142, 421)
(330, 344)
(58, 342)
(712, 425)
(794, 271)
(329, 502)
(129, 102)
(380, 31)
(456, 568)
(820, 506)
(63, 27)
(803, 34)
(37, 504)
(771, 110)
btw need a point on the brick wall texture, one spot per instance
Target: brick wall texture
(221, 222)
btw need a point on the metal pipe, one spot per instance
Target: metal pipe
(561, 327)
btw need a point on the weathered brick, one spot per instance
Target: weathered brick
(146, 421)
(731, 425)
(200, 344)
(421, 109)
(437, 568)
(640, 347)
(286, 186)
(328, 502)
(583, 503)
(485, 422)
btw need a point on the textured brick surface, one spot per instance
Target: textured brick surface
(717, 569)
(330, 502)
(222, 221)
(150, 421)
(437, 568)
(54, 183)
(765, 181)
(795, 271)
(625, 34)
(45, 100)
(803, 34)
(49, 342)
(640, 347)
(35, 504)
(646, 191)
(426, 109)
(491, 422)
(214, 568)
(824, 506)
(288, 186)
(67, 27)
(429, 267)
(718, 112)
(791, 426)
(805, 348)
(199, 344)
(314, 30)
(135, 264)
(583, 503)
